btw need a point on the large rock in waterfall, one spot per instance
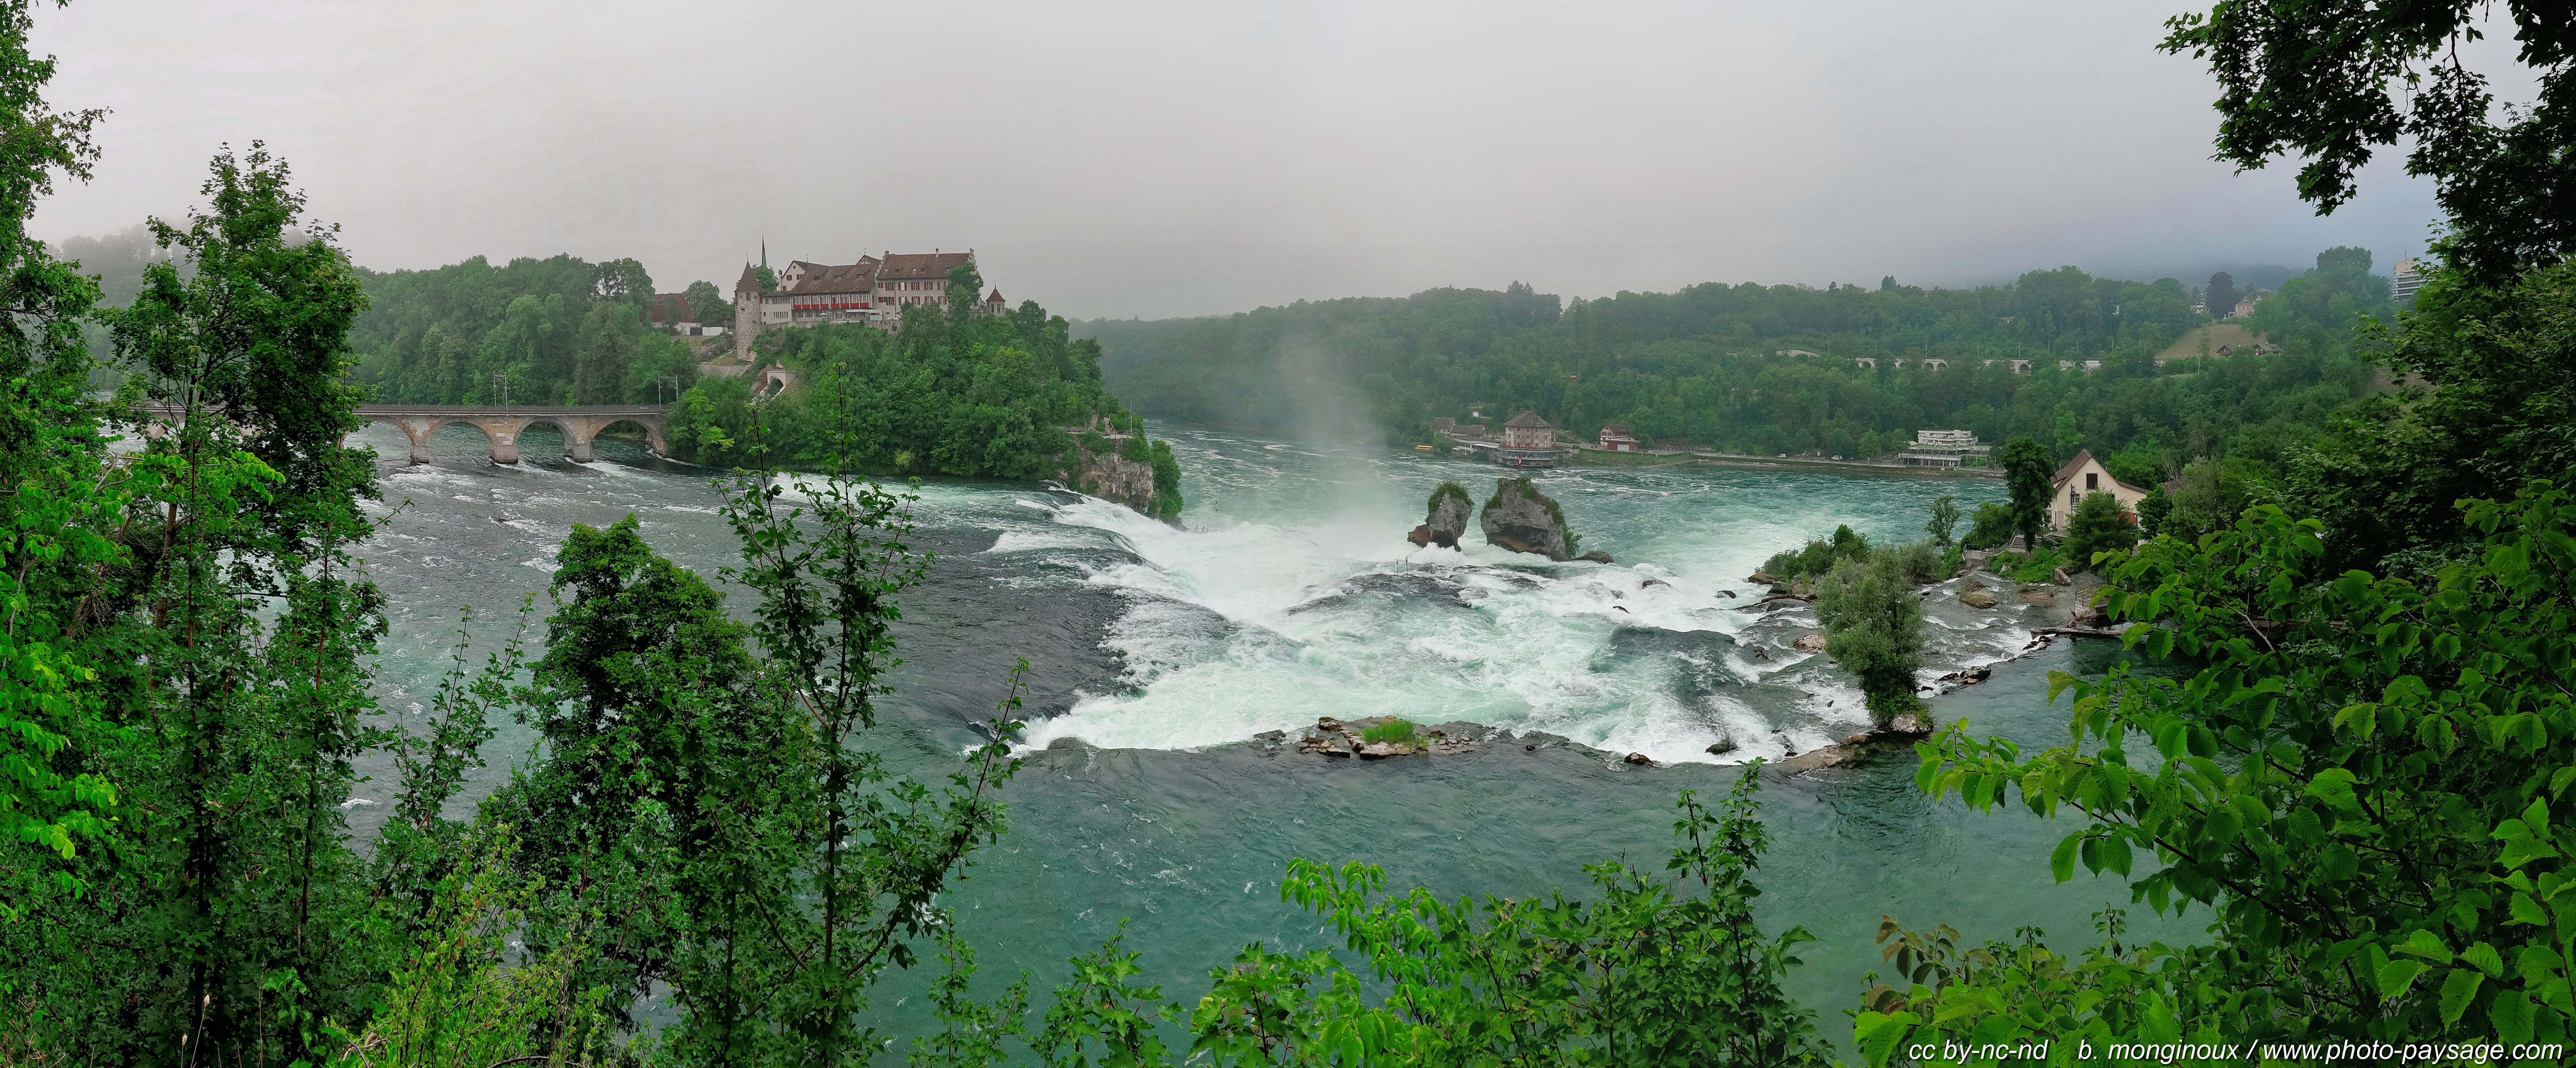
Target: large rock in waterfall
(1451, 508)
(1111, 477)
(1520, 518)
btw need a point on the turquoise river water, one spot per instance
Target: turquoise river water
(1290, 593)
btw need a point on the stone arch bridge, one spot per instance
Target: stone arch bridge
(502, 426)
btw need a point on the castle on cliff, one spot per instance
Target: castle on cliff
(874, 291)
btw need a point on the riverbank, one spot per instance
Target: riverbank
(1874, 467)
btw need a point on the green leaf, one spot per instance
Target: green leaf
(2115, 854)
(2061, 862)
(2485, 958)
(2526, 910)
(2334, 787)
(2397, 976)
(1878, 1035)
(2427, 945)
(2457, 991)
(2512, 1015)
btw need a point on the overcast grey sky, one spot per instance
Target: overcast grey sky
(1183, 158)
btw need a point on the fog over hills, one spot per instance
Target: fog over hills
(1165, 159)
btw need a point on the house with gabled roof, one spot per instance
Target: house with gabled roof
(1528, 441)
(2083, 475)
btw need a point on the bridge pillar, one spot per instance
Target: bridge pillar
(505, 438)
(418, 431)
(577, 434)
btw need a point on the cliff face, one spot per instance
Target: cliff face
(1520, 518)
(1110, 478)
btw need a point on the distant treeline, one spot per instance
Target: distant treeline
(1717, 365)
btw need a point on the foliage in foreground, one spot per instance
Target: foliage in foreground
(2366, 783)
(1659, 970)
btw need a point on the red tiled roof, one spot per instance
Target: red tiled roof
(909, 266)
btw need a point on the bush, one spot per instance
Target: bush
(1990, 528)
(2039, 566)
(2098, 525)
(1396, 731)
(1450, 489)
(1819, 556)
(1919, 563)
(1952, 561)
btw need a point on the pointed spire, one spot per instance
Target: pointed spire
(764, 250)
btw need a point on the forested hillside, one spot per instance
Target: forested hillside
(559, 330)
(1752, 368)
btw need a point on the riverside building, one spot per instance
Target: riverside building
(1943, 448)
(1528, 441)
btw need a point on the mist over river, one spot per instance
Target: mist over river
(1290, 593)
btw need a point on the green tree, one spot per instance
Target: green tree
(874, 852)
(2333, 83)
(2098, 525)
(2153, 510)
(57, 505)
(229, 644)
(2490, 394)
(1990, 528)
(1874, 629)
(622, 281)
(707, 304)
(2220, 297)
(1945, 518)
(2029, 471)
(647, 701)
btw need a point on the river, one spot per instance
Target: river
(1290, 593)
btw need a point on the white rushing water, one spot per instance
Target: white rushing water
(1290, 593)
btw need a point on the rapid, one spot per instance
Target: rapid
(1159, 655)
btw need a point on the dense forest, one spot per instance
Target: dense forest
(553, 331)
(1756, 369)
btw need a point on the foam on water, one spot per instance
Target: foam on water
(1289, 593)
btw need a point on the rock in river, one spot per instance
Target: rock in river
(1451, 507)
(1520, 518)
(1976, 598)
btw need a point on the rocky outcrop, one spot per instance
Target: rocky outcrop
(1111, 477)
(1344, 738)
(1810, 643)
(1976, 598)
(1520, 518)
(1451, 508)
(1597, 556)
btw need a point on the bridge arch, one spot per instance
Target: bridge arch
(502, 426)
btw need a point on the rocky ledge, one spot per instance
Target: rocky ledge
(1341, 738)
(1904, 731)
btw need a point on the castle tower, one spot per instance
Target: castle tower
(746, 306)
